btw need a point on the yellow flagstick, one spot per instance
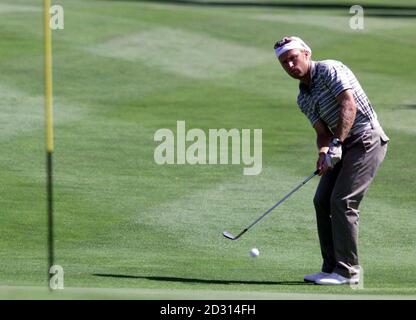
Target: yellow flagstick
(49, 130)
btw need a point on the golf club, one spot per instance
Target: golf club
(231, 237)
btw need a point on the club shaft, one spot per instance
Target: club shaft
(282, 200)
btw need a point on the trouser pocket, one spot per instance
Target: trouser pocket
(383, 137)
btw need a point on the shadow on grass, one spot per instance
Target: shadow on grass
(207, 281)
(270, 4)
(409, 106)
(391, 15)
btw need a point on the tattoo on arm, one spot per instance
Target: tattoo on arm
(348, 110)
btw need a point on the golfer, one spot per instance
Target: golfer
(351, 146)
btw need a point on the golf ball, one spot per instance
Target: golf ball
(254, 252)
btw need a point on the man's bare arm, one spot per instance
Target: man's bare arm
(323, 137)
(348, 110)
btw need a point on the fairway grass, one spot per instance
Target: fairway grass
(38, 293)
(127, 228)
(184, 54)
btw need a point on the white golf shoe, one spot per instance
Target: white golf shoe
(315, 277)
(336, 279)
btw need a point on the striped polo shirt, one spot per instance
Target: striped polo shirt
(318, 101)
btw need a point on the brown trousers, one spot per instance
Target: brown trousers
(338, 196)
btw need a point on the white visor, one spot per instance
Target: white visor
(295, 43)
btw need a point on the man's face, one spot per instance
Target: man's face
(295, 62)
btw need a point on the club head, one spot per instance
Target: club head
(228, 235)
